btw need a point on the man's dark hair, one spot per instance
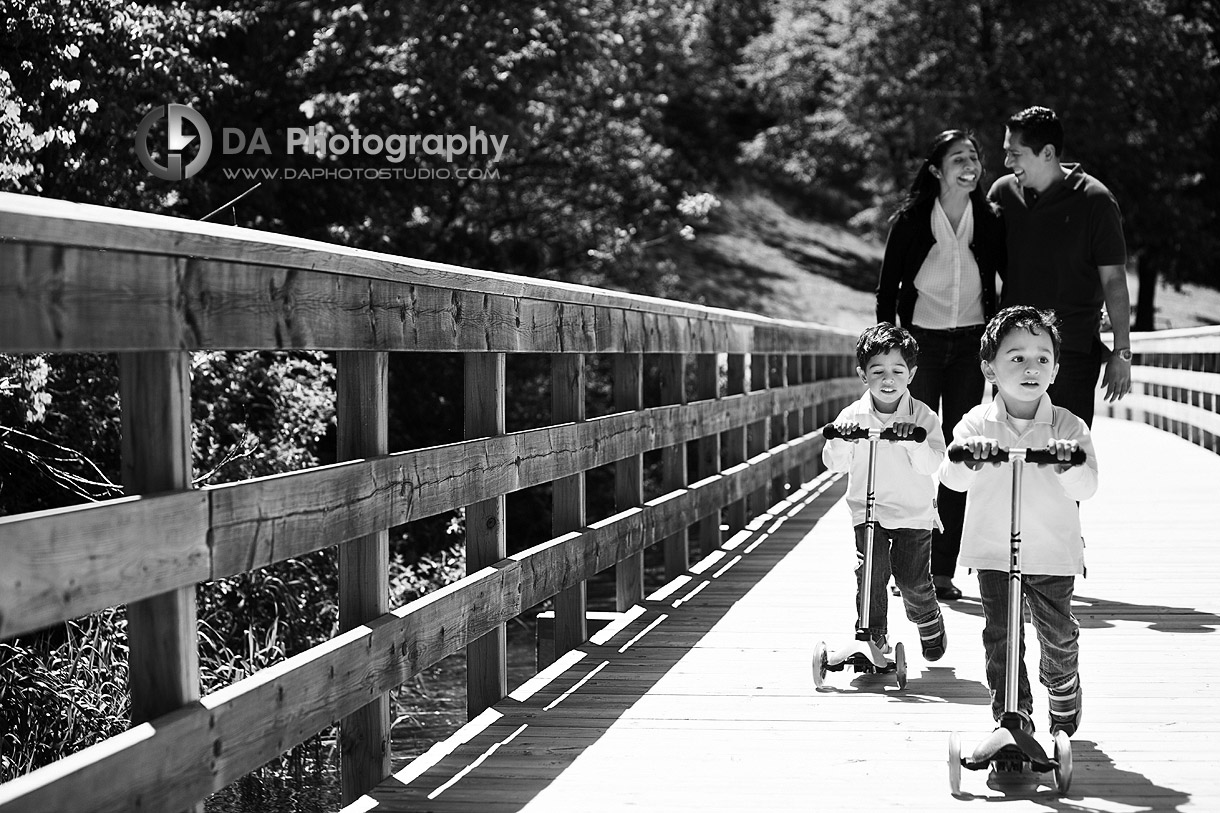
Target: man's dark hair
(1018, 317)
(882, 338)
(1037, 127)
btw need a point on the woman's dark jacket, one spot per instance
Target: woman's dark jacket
(908, 245)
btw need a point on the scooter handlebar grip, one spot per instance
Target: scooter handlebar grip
(917, 435)
(960, 454)
(1039, 456)
(830, 432)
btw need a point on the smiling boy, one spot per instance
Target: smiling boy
(1019, 354)
(904, 509)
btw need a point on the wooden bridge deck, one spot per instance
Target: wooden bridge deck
(702, 698)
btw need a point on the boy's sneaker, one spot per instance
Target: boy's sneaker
(1066, 704)
(883, 643)
(933, 639)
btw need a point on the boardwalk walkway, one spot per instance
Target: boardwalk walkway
(703, 698)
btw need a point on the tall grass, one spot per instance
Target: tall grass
(67, 688)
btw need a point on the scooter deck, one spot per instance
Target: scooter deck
(865, 658)
(1007, 751)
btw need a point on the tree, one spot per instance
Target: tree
(915, 68)
(76, 77)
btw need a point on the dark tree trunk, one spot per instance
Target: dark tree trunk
(1145, 303)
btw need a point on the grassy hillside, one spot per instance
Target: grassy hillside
(757, 255)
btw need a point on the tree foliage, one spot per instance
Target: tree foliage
(1136, 84)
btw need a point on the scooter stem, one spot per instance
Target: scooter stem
(1015, 619)
(870, 525)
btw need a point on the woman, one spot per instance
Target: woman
(938, 280)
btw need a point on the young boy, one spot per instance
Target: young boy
(905, 507)
(1019, 353)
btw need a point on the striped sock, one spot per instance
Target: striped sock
(930, 630)
(1065, 705)
(932, 638)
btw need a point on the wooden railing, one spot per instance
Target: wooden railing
(1175, 379)
(152, 289)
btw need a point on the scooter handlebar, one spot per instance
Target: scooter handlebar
(917, 435)
(961, 454)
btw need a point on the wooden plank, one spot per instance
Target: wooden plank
(1182, 340)
(707, 457)
(1168, 377)
(671, 372)
(628, 386)
(361, 415)
(1172, 410)
(777, 378)
(163, 660)
(103, 231)
(68, 562)
(757, 432)
(274, 518)
(568, 500)
(486, 537)
(736, 514)
(73, 299)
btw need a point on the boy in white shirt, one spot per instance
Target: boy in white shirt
(905, 509)
(1019, 353)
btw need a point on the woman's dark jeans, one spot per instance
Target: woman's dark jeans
(949, 380)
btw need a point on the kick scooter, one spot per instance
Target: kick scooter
(863, 654)
(1009, 749)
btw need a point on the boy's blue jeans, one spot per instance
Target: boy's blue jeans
(1049, 599)
(906, 554)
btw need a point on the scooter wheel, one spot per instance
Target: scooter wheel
(819, 664)
(900, 664)
(1063, 755)
(955, 763)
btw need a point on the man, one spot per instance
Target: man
(1065, 251)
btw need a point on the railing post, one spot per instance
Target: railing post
(777, 379)
(809, 421)
(163, 661)
(707, 456)
(673, 460)
(735, 439)
(629, 477)
(486, 538)
(756, 442)
(364, 590)
(568, 497)
(795, 417)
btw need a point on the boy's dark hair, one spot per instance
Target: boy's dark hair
(1037, 127)
(1018, 317)
(882, 338)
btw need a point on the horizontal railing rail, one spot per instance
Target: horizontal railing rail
(152, 289)
(1175, 378)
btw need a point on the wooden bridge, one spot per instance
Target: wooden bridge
(698, 695)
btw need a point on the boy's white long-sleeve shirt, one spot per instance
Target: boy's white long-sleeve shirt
(1051, 544)
(906, 489)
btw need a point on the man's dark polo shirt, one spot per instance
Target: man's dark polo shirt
(1056, 244)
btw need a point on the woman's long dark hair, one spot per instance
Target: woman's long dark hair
(926, 186)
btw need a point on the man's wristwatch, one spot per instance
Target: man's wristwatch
(1123, 353)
